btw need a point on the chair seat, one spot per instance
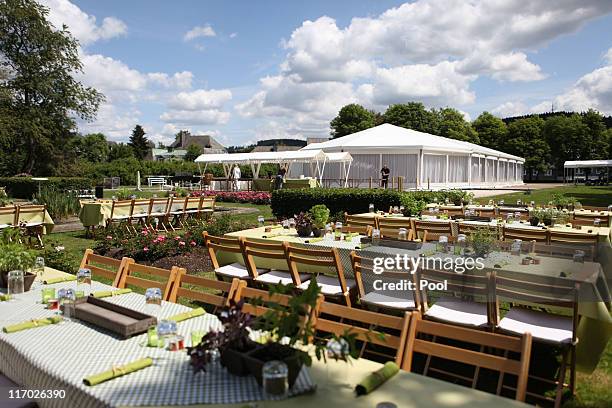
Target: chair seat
(543, 326)
(274, 277)
(236, 270)
(177, 212)
(391, 302)
(329, 285)
(192, 211)
(459, 311)
(140, 215)
(3, 226)
(120, 217)
(158, 214)
(33, 224)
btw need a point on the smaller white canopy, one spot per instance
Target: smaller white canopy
(339, 157)
(575, 164)
(293, 156)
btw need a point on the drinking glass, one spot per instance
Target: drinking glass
(291, 222)
(402, 234)
(596, 222)
(275, 378)
(260, 221)
(442, 243)
(166, 329)
(501, 202)
(338, 226)
(515, 249)
(84, 280)
(461, 244)
(66, 298)
(39, 267)
(338, 350)
(401, 209)
(371, 208)
(510, 218)
(579, 256)
(328, 230)
(375, 236)
(153, 301)
(15, 284)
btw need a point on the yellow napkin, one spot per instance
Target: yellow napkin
(107, 293)
(51, 281)
(188, 315)
(118, 371)
(30, 324)
(3, 297)
(377, 378)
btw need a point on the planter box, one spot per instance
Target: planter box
(28, 280)
(234, 361)
(257, 358)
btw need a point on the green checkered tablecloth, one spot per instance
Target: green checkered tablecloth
(60, 356)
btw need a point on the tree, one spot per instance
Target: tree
(492, 131)
(120, 151)
(352, 118)
(43, 95)
(193, 151)
(599, 143)
(525, 140)
(568, 139)
(92, 147)
(453, 125)
(412, 115)
(139, 143)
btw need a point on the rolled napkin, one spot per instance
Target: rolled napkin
(4, 298)
(108, 293)
(377, 378)
(316, 239)
(188, 315)
(30, 324)
(350, 236)
(117, 371)
(51, 281)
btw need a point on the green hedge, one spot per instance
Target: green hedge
(286, 203)
(25, 187)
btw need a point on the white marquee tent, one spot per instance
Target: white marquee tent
(422, 159)
(314, 161)
(570, 167)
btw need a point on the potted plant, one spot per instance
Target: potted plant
(482, 241)
(546, 216)
(534, 220)
(303, 224)
(15, 256)
(320, 215)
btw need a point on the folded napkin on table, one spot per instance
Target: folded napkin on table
(350, 236)
(51, 281)
(4, 298)
(188, 315)
(118, 371)
(377, 378)
(313, 240)
(108, 293)
(30, 324)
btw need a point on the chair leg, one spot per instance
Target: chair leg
(572, 382)
(562, 371)
(428, 361)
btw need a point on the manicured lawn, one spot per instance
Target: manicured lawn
(595, 390)
(598, 196)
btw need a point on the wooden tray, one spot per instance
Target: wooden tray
(117, 319)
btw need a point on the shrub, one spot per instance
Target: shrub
(59, 204)
(25, 187)
(251, 197)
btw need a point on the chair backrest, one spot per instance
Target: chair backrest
(176, 204)
(573, 238)
(389, 227)
(110, 268)
(257, 301)
(357, 221)
(371, 328)
(209, 291)
(359, 229)
(159, 206)
(451, 210)
(467, 229)
(124, 206)
(321, 257)
(432, 230)
(365, 266)
(486, 212)
(523, 212)
(455, 353)
(223, 244)
(36, 213)
(538, 290)
(193, 203)
(255, 251)
(208, 203)
(525, 234)
(141, 207)
(8, 215)
(564, 250)
(137, 274)
(589, 219)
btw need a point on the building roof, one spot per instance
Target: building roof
(296, 156)
(391, 137)
(574, 164)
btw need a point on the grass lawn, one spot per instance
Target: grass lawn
(598, 196)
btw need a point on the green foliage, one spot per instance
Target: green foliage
(4, 201)
(15, 256)
(43, 97)
(412, 205)
(525, 140)
(320, 215)
(139, 143)
(60, 204)
(412, 115)
(193, 151)
(453, 125)
(352, 118)
(492, 131)
(483, 241)
(568, 138)
(92, 148)
(57, 257)
(119, 151)
(25, 187)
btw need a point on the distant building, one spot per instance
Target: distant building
(312, 140)
(279, 145)
(158, 154)
(178, 149)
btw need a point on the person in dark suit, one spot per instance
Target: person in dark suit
(384, 176)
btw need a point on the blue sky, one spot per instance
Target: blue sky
(246, 70)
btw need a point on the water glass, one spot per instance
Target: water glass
(328, 229)
(579, 256)
(153, 300)
(275, 378)
(375, 236)
(371, 208)
(510, 218)
(166, 329)
(15, 283)
(515, 248)
(401, 209)
(402, 234)
(596, 222)
(291, 222)
(338, 226)
(338, 350)
(532, 204)
(46, 294)
(518, 202)
(66, 298)
(260, 221)
(39, 267)
(286, 224)
(442, 243)
(84, 280)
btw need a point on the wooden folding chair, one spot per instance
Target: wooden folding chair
(524, 234)
(576, 240)
(32, 218)
(176, 212)
(109, 268)
(523, 213)
(158, 210)
(359, 229)
(229, 245)
(433, 230)
(452, 352)
(467, 229)
(212, 292)
(531, 295)
(463, 300)
(357, 221)
(451, 211)
(589, 219)
(337, 288)
(389, 227)
(192, 209)
(376, 299)
(487, 212)
(208, 206)
(140, 212)
(121, 212)
(141, 276)
(8, 217)
(255, 252)
(379, 334)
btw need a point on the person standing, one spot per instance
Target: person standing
(236, 174)
(384, 176)
(280, 178)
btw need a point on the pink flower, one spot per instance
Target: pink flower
(108, 237)
(182, 243)
(145, 232)
(177, 238)
(192, 243)
(145, 249)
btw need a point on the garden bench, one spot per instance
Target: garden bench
(161, 181)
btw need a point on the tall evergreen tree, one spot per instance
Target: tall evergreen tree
(139, 143)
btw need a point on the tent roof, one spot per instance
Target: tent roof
(387, 136)
(295, 156)
(587, 163)
(339, 157)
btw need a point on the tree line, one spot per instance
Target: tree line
(545, 141)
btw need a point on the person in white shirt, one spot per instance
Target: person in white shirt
(236, 174)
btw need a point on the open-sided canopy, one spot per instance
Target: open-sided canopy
(293, 156)
(576, 164)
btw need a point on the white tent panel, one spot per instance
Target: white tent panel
(402, 165)
(587, 164)
(434, 168)
(458, 168)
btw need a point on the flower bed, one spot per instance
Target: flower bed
(251, 197)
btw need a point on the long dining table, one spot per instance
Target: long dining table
(59, 356)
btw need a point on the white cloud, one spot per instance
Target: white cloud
(199, 31)
(108, 75)
(509, 109)
(608, 57)
(593, 90)
(116, 123)
(82, 25)
(205, 117)
(233, 35)
(200, 99)
(180, 80)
